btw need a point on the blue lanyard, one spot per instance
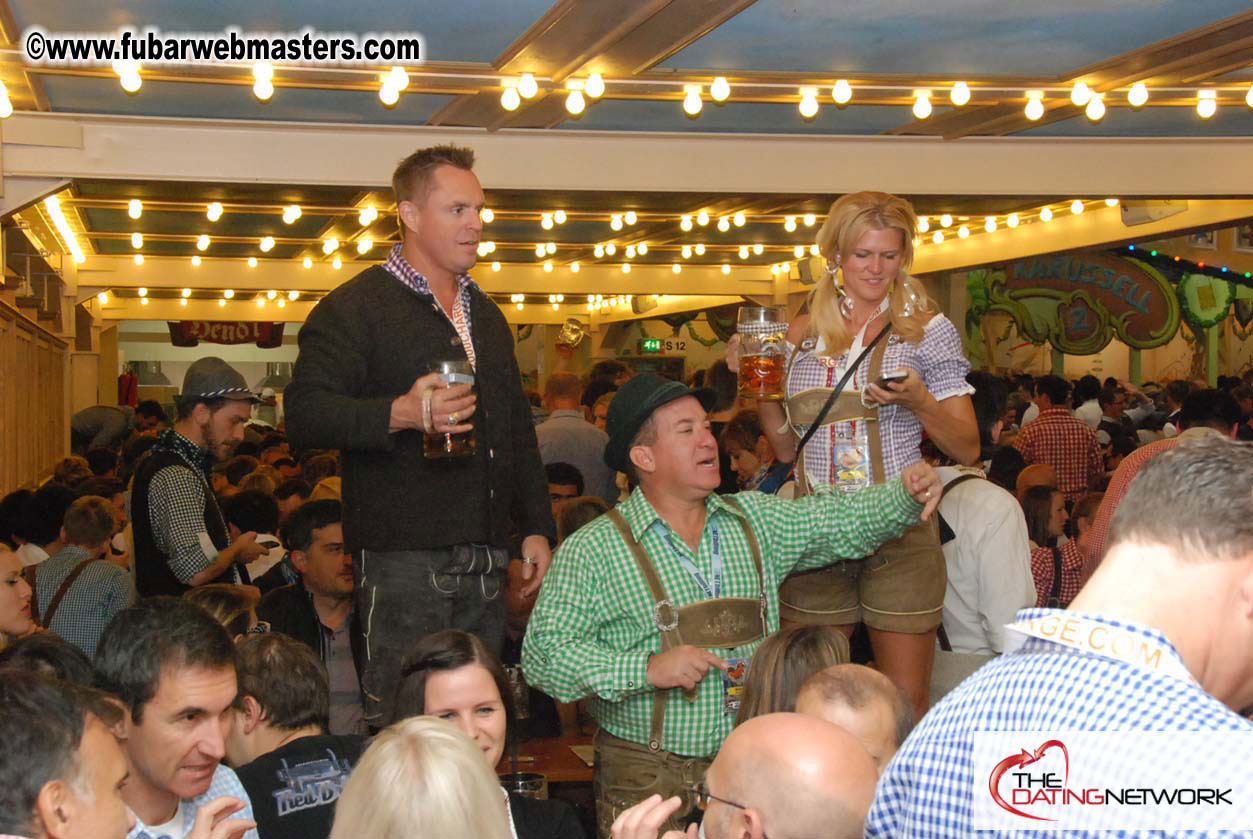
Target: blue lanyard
(714, 591)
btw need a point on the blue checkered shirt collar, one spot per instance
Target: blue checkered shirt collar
(400, 268)
(196, 457)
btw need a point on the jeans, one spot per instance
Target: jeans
(405, 595)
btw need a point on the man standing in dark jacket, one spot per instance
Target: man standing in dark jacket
(429, 538)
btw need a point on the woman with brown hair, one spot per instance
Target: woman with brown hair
(781, 665)
(1058, 570)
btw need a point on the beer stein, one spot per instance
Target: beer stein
(763, 336)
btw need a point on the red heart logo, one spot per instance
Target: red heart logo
(1024, 758)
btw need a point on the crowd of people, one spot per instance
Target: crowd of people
(776, 618)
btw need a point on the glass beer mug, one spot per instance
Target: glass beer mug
(763, 335)
(452, 445)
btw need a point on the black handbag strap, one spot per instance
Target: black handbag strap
(839, 388)
(1055, 593)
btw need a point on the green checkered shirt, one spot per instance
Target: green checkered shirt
(592, 630)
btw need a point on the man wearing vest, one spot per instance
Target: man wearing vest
(654, 610)
(180, 536)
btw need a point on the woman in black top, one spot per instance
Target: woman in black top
(452, 676)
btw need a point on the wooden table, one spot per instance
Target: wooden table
(552, 758)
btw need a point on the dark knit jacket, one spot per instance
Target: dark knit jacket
(363, 345)
(290, 610)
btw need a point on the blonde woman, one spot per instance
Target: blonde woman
(421, 778)
(873, 430)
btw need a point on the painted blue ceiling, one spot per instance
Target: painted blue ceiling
(1230, 121)
(454, 30)
(949, 37)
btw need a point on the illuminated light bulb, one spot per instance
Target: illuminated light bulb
(785, 267)
(758, 248)
(739, 219)
(546, 221)
(595, 86)
(574, 267)
(1076, 206)
(630, 217)
(615, 222)
(813, 250)
(720, 90)
(263, 71)
(263, 90)
(398, 78)
(774, 269)
(598, 251)
(743, 252)
(924, 223)
(685, 223)
(922, 104)
(103, 297)
(550, 248)
(539, 249)
(810, 219)
(809, 102)
(630, 251)
(1248, 97)
(252, 262)
(1111, 202)
(1095, 110)
(960, 94)
(842, 92)
(789, 224)
(686, 251)
(548, 267)
(509, 99)
(1046, 214)
(575, 103)
(229, 293)
(271, 294)
(486, 215)
(527, 86)
(559, 216)
(137, 240)
(330, 246)
(1080, 94)
(195, 261)
(611, 248)
(367, 215)
(1011, 220)
(182, 302)
(938, 237)
(290, 213)
(556, 307)
(337, 263)
(699, 249)
(135, 208)
(214, 212)
(282, 304)
(1206, 103)
(131, 82)
(1138, 95)
(186, 292)
(963, 232)
(726, 269)
(139, 259)
(495, 266)
(267, 244)
(221, 302)
(293, 295)
(675, 268)
(482, 249)
(388, 95)
(990, 224)
(1035, 105)
(141, 291)
(364, 245)
(724, 224)
(260, 301)
(6, 106)
(143, 301)
(561, 298)
(642, 247)
(520, 306)
(691, 99)
(946, 220)
(702, 218)
(626, 267)
(125, 67)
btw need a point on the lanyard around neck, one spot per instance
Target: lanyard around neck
(715, 539)
(859, 340)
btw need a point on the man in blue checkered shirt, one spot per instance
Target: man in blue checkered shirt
(1177, 583)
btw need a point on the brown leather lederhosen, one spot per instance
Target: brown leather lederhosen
(802, 409)
(711, 623)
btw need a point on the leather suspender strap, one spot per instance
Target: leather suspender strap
(755, 548)
(65, 587)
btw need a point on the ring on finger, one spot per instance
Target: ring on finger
(452, 418)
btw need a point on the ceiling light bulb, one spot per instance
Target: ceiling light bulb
(509, 99)
(575, 103)
(798, 251)
(6, 105)
(774, 269)
(963, 232)
(1095, 110)
(282, 304)
(575, 267)
(330, 246)
(924, 223)
(103, 297)
(388, 95)
(260, 301)
(699, 248)
(131, 82)
(137, 240)
(810, 219)
(758, 248)
(364, 245)
(367, 215)
(1046, 214)
(293, 295)
(267, 244)
(595, 85)
(598, 251)
(271, 294)
(842, 92)
(307, 262)
(702, 218)
(221, 302)
(785, 267)
(539, 249)
(630, 217)
(229, 293)
(1111, 202)
(527, 86)
(546, 221)
(482, 249)
(252, 262)
(691, 99)
(789, 223)
(813, 250)
(1206, 103)
(642, 248)
(611, 248)
(724, 224)
(726, 269)
(214, 212)
(809, 102)
(675, 268)
(143, 301)
(743, 251)
(263, 90)
(495, 266)
(1080, 94)
(615, 222)
(486, 215)
(685, 223)
(263, 71)
(990, 224)
(739, 219)
(550, 248)
(720, 90)
(626, 267)
(548, 267)
(337, 263)
(946, 220)
(139, 259)
(1035, 104)
(922, 104)
(1076, 206)
(686, 251)
(290, 213)
(202, 241)
(960, 94)
(1138, 95)
(938, 237)
(1248, 97)
(141, 291)
(630, 251)
(186, 292)
(1011, 220)
(195, 261)
(559, 216)
(135, 208)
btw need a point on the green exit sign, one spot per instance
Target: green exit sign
(650, 345)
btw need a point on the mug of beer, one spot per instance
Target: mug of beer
(763, 334)
(451, 445)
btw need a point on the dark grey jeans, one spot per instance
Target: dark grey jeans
(404, 595)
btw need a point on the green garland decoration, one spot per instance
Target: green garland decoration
(691, 331)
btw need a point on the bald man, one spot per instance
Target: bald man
(863, 702)
(785, 776)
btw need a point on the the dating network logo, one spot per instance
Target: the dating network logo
(1027, 788)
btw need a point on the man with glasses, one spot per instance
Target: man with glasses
(783, 776)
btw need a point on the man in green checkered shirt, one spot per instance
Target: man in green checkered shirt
(597, 628)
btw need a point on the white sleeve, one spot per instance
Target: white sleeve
(1005, 581)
